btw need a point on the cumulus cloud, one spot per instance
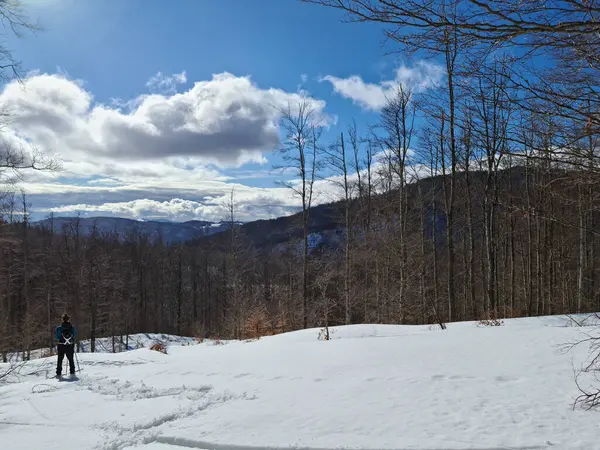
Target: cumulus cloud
(227, 120)
(174, 209)
(251, 204)
(166, 84)
(165, 154)
(370, 96)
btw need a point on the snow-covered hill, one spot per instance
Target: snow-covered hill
(387, 387)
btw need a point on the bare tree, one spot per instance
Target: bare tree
(235, 268)
(537, 24)
(337, 159)
(490, 114)
(10, 369)
(300, 147)
(566, 33)
(397, 123)
(589, 395)
(17, 159)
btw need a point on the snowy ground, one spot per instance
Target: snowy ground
(371, 387)
(118, 344)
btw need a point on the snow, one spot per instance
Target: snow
(370, 387)
(105, 345)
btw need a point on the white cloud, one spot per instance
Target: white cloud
(252, 204)
(151, 155)
(226, 121)
(423, 75)
(165, 84)
(105, 182)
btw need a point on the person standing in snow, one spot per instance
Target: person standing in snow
(65, 335)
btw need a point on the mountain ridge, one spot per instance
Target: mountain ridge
(168, 231)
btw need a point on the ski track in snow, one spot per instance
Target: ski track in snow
(120, 438)
(411, 388)
(126, 390)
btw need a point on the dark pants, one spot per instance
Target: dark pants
(69, 351)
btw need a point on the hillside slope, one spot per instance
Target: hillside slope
(388, 387)
(169, 232)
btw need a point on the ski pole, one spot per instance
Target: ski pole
(77, 359)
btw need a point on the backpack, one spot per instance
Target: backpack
(67, 333)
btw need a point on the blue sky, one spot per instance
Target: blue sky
(90, 72)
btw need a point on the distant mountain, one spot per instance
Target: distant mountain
(171, 232)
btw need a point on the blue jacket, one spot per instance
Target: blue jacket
(59, 334)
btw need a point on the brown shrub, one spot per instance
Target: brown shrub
(158, 347)
(490, 319)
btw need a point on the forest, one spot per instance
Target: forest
(472, 200)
